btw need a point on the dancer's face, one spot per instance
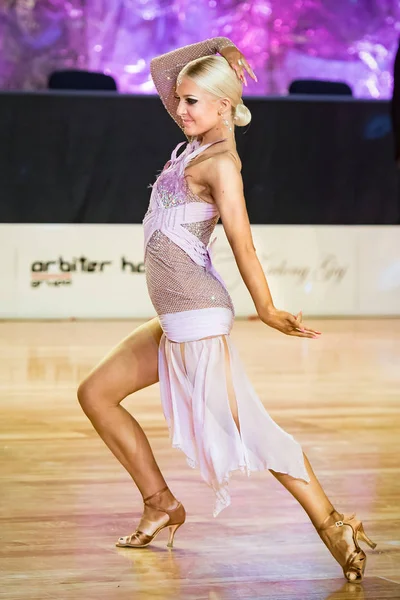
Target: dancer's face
(198, 109)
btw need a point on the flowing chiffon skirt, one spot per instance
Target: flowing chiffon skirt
(216, 418)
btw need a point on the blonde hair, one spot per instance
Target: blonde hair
(214, 74)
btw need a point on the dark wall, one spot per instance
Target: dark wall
(396, 104)
(84, 158)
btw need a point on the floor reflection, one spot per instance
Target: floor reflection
(173, 575)
(157, 573)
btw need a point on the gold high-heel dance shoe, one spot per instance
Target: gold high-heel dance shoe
(341, 535)
(168, 518)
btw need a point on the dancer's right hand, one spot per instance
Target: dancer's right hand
(238, 63)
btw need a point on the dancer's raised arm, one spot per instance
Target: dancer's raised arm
(165, 68)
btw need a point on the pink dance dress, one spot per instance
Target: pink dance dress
(202, 381)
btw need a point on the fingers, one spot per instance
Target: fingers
(293, 325)
(299, 316)
(241, 76)
(240, 67)
(239, 73)
(298, 325)
(295, 322)
(249, 69)
(317, 333)
(304, 329)
(309, 330)
(303, 334)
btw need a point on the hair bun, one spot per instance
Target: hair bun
(242, 115)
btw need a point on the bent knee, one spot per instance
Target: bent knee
(89, 395)
(84, 393)
(95, 395)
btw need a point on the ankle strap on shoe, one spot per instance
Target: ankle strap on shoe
(156, 494)
(334, 519)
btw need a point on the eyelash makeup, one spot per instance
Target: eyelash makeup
(188, 100)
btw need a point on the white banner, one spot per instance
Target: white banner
(97, 271)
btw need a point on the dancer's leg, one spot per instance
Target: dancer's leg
(131, 366)
(340, 534)
(310, 495)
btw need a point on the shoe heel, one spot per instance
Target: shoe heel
(363, 536)
(172, 530)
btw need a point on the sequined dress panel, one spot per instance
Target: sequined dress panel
(177, 283)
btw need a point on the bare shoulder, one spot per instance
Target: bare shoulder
(223, 165)
(214, 169)
(217, 155)
(226, 159)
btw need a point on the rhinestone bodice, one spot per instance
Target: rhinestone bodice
(177, 230)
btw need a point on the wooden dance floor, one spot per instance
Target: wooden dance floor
(65, 500)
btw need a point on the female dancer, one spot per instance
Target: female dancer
(211, 409)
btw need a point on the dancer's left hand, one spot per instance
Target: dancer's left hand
(289, 324)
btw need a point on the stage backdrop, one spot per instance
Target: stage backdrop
(97, 271)
(350, 40)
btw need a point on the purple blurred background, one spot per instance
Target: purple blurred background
(348, 40)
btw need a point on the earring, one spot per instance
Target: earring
(227, 124)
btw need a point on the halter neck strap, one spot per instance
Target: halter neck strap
(175, 152)
(190, 152)
(190, 155)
